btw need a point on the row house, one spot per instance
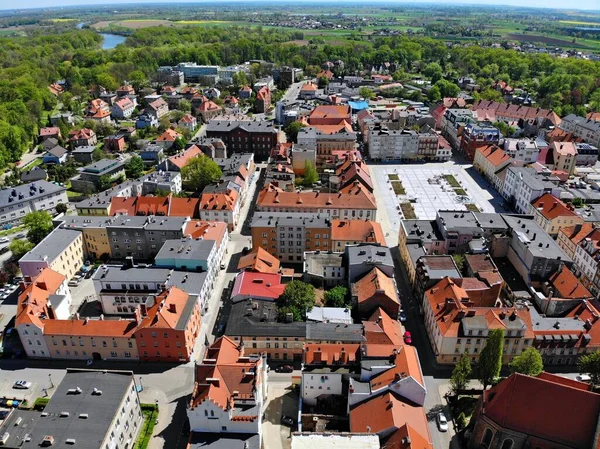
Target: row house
(490, 160)
(523, 150)
(477, 135)
(552, 214)
(352, 202)
(584, 128)
(510, 113)
(453, 124)
(522, 185)
(326, 141)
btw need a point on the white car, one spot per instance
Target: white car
(22, 385)
(442, 422)
(584, 378)
(4, 240)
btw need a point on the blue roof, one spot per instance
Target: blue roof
(358, 105)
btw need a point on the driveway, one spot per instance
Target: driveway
(282, 400)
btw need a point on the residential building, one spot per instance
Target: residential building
(115, 143)
(570, 237)
(223, 206)
(93, 230)
(91, 176)
(352, 202)
(287, 235)
(82, 137)
(100, 203)
(523, 150)
(453, 123)
(257, 137)
(308, 91)
(584, 128)
(327, 140)
(257, 286)
(230, 391)
(336, 315)
(167, 331)
(188, 122)
(188, 255)
(533, 253)
(522, 185)
(507, 112)
(122, 108)
(361, 259)
(328, 440)
(587, 155)
(97, 409)
(84, 154)
(178, 161)
(50, 132)
(57, 155)
(299, 157)
(353, 232)
(330, 115)
(562, 293)
(490, 160)
(207, 110)
(61, 250)
(586, 260)
(552, 214)
(376, 290)
(157, 109)
(565, 156)
(455, 326)
(98, 110)
(152, 155)
(256, 324)
(324, 268)
(259, 261)
(146, 121)
(262, 102)
(474, 136)
(162, 182)
(429, 270)
(493, 428)
(167, 138)
(37, 173)
(286, 76)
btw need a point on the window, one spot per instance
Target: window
(507, 444)
(487, 438)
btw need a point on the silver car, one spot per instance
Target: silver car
(22, 385)
(442, 422)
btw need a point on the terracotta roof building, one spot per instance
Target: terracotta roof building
(353, 232)
(260, 261)
(330, 115)
(552, 214)
(259, 286)
(230, 388)
(375, 289)
(510, 113)
(178, 161)
(521, 412)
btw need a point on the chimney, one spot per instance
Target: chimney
(138, 315)
(173, 308)
(51, 314)
(143, 310)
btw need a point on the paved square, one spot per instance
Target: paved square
(429, 192)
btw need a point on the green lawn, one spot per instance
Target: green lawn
(460, 191)
(11, 230)
(150, 414)
(398, 188)
(393, 178)
(408, 211)
(472, 208)
(452, 181)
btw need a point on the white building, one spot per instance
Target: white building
(162, 181)
(16, 202)
(522, 185)
(588, 130)
(392, 145)
(230, 390)
(335, 441)
(526, 151)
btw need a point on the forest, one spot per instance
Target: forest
(29, 64)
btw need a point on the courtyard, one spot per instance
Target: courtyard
(420, 190)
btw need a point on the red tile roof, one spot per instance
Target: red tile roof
(331, 354)
(551, 207)
(310, 86)
(157, 104)
(258, 285)
(326, 112)
(206, 230)
(124, 103)
(263, 93)
(260, 261)
(181, 159)
(546, 409)
(33, 300)
(567, 286)
(80, 134)
(49, 131)
(218, 201)
(516, 112)
(170, 135)
(375, 285)
(366, 231)
(209, 106)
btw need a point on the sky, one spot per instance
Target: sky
(580, 4)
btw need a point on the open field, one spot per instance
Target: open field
(63, 20)
(575, 22)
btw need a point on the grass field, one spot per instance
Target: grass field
(63, 20)
(574, 22)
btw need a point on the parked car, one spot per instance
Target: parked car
(4, 249)
(402, 315)
(4, 240)
(583, 378)
(20, 235)
(291, 422)
(22, 385)
(407, 338)
(442, 422)
(223, 266)
(284, 369)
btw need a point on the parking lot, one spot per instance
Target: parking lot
(427, 192)
(282, 400)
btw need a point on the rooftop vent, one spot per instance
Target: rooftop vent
(83, 416)
(96, 392)
(64, 414)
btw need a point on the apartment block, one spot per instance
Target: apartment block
(552, 214)
(62, 250)
(16, 202)
(477, 135)
(522, 185)
(584, 128)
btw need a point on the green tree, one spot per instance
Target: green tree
(505, 128)
(200, 172)
(20, 247)
(61, 208)
(461, 374)
(434, 94)
(590, 364)
(292, 130)
(336, 297)
(323, 82)
(104, 183)
(98, 154)
(239, 79)
(38, 224)
(135, 167)
(298, 298)
(178, 145)
(529, 362)
(490, 359)
(310, 174)
(366, 93)
(459, 260)
(138, 79)
(447, 88)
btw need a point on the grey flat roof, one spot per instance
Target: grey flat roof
(532, 178)
(457, 219)
(17, 432)
(335, 332)
(52, 245)
(83, 221)
(84, 149)
(244, 320)
(28, 192)
(316, 262)
(490, 220)
(268, 219)
(422, 230)
(102, 166)
(540, 244)
(153, 223)
(438, 267)
(186, 249)
(102, 409)
(224, 441)
(251, 126)
(358, 254)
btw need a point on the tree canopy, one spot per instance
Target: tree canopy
(38, 224)
(310, 174)
(529, 362)
(490, 359)
(298, 298)
(590, 364)
(461, 374)
(134, 167)
(336, 297)
(200, 172)
(20, 247)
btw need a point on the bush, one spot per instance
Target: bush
(40, 404)
(452, 181)
(408, 211)
(461, 421)
(398, 188)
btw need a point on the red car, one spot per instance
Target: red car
(407, 338)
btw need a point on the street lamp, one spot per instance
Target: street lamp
(50, 378)
(141, 384)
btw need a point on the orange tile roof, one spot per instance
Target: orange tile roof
(157, 104)
(551, 207)
(310, 86)
(181, 159)
(331, 354)
(183, 207)
(387, 412)
(325, 74)
(56, 88)
(97, 109)
(567, 286)
(218, 201)
(222, 363)
(167, 310)
(381, 329)
(84, 133)
(263, 93)
(350, 197)
(124, 103)
(355, 171)
(187, 118)
(259, 260)
(595, 116)
(341, 112)
(170, 135)
(209, 106)
(406, 364)
(33, 300)
(578, 232)
(90, 328)
(545, 409)
(366, 231)
(342, 126)
(207, 230)
(375, 284)
(406, 438)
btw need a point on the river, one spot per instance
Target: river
(111, 40)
